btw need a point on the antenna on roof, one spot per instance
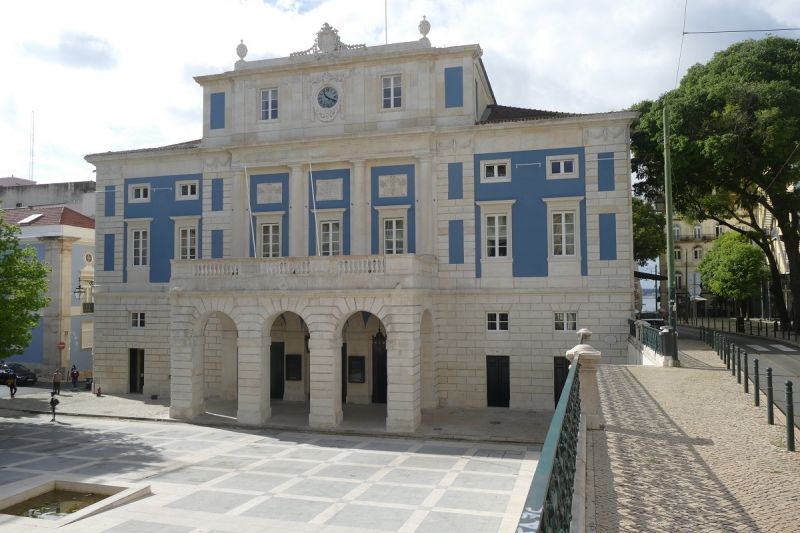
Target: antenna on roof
(30, 163)
(386, 20)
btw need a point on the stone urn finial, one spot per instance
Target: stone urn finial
(424, 27)
(241, 50)
(584, 335)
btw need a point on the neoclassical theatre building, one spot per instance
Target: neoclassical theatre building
(362, 225)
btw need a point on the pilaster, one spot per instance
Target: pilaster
(254, 381)
(403, 403)
(297, 212)
(186, 383)
(425, 188)
(360, 219)
(326, 380)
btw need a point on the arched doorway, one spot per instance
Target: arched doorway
(364, 360)
(220, 365)
(289, 358)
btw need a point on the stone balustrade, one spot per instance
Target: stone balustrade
(408, 271)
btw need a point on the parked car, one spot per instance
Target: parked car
(654, 319)
(25, 376)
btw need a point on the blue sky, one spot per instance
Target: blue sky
(103, 75)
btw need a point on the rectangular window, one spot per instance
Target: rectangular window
(496, 236)
(676, 233)
(188, 243)
(698, 253)
(719, 230)
(187, 190)
(564, 233)
(392, 92)
(270, 240)
(137, 319)
(698, 232)
(140, 193)
(566, 321)
(678, 254)
(269, 104)
(140, 243)
(495, 171)
(330, 238)
(559, 167)
(497, 321)
(393, 235)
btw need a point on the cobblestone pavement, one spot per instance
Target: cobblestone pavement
(214, 480)
(684, 449)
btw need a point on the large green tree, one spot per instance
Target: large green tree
(734, 137)
(733, 268)
(649, 240)
(23, 291)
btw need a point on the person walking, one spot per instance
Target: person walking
(74, 374)
(57, 382)
(11, 381)
(53, 402)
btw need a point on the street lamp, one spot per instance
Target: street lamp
(80, 291)
(670, 238)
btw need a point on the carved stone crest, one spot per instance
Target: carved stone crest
(603, 135)
(327, 43)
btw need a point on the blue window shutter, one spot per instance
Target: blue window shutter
(455, 181)
(454, 87)
(216, 194)
(608, 236)
(216, 243)
(108, 252)
(605, 171)
(455, 235)
(217, 118)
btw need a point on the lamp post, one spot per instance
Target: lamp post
(670, 237)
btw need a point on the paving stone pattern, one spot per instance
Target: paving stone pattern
(685, 450)
(233, 480)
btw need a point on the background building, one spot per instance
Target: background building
(64, 240)
(362, 225)
(77, 195)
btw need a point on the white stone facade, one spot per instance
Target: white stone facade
(258, 295)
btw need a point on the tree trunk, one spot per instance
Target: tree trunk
(790, 235)
(775, 287)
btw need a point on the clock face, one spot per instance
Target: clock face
(327, 97)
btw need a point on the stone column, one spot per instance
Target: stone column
(403, 403)
(360, 238)
(297, 212)
(186, 369)
(588, 358)
(325, 380)
(253, 402)
(425, 224)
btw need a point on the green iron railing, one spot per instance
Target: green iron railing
(548, 506)
(650, 337)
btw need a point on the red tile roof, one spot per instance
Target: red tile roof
(51, 216)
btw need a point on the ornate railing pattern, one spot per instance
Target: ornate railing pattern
(305, 266)
(548, 506)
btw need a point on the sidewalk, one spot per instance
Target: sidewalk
(685, 450)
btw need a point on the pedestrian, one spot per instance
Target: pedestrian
(57, 382)
(11, 381)
(53, 402)
(73, 374)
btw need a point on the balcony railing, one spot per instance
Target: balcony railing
(299, 273)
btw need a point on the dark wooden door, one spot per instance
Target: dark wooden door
(380, 379)
(276, 370)
(560, 371)
(136, 370)
(344, 372)
(498, 391)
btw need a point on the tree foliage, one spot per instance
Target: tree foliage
(649, 240)
(23, 291)
(733, 268)
(735, 132)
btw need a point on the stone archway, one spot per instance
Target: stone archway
(364, 362)
(288, 358)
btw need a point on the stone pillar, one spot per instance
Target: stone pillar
(588, 358)
(297, 212)
(403, 403)
(360, 238)
(253, 402)
(426, 194)
(240, 225)
(325, 353)
(186, 383)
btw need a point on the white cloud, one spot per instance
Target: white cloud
(572, 55)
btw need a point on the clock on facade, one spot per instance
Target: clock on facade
(327, 97)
